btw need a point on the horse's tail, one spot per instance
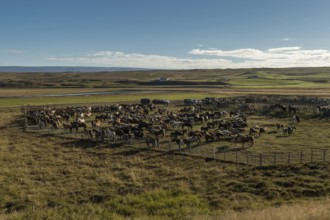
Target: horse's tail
(236, 138)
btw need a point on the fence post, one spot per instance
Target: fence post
(274, 158)
(260, 159)
(289, 158)
(247, 157)
(26, 126)
(301, 157)
(324, 152)
(311, 155)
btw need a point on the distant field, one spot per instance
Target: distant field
(94, 99)
(262, 79)
(18, 97)
(18, 88)
(295, 77)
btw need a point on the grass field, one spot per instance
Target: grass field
(45, 175)
(22, 88)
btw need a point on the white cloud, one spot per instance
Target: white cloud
(274, 57)
(283, 49)
(204, 59)
(288, 39)
(15, 52)
(120, 59)
(240, 53)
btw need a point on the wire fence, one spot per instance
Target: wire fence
(237, 155)
(243, 156)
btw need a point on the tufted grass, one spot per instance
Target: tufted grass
(45, 175)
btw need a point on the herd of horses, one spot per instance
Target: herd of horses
(153, 122)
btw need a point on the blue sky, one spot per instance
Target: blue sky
(174, 34)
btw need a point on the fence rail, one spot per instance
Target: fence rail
(240, 156)
(262, 159)
(232, 155)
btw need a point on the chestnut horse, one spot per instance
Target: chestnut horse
(244, 139)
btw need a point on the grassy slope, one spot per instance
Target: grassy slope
(60, 177)
(280, 80)
(269, 81)
(45, 176)
(290, 77)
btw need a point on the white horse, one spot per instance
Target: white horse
(176, 124)
(81, 120)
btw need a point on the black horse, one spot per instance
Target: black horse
(76, 125)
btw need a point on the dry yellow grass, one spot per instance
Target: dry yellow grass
(48, 176)
(318, 210)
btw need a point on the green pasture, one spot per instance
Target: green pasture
(267, 80)
(52, 174)
(17, 102)
(57, 175)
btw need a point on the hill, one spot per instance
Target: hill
(58, 69)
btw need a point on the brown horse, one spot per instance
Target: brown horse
(96, 124)
(76, 125)
(253, 131)
(257, 130)
(178, 141)
(292, 109)
(192, 139)
(278, 125)
(186, 124)
(288, 130)
(176, 133)
(209, 137)
(157, 133)
(152, 141)
(67, 126)
(244, 139)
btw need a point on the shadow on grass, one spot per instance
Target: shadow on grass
(229, 149)
(131, 152)
(82, 143)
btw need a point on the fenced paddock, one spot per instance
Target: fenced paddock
(238, 155)
(294, 149)
(231, 153)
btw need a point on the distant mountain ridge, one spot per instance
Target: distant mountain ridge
(59, 69)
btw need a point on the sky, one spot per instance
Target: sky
(165, 34)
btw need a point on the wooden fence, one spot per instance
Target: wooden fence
(241, 156)
(226, 154)
(262, 159)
